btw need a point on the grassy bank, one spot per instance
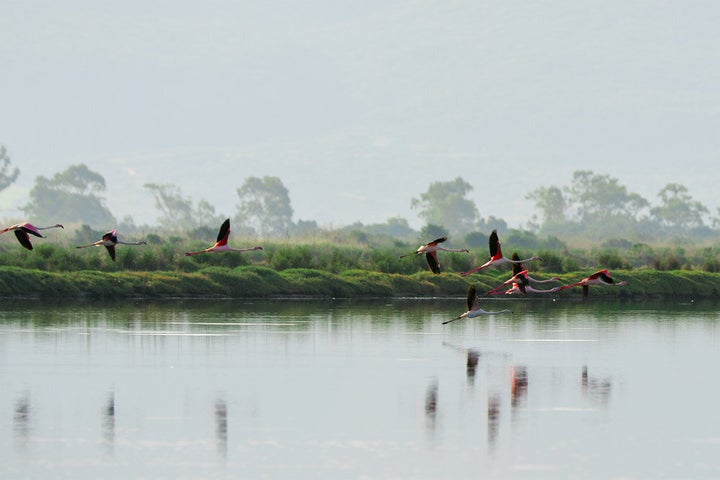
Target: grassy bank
(257, 282)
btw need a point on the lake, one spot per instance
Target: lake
(341, 389)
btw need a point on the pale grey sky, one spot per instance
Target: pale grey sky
(358, 106)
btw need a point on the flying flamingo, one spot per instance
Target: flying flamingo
(430, 250)
(516, 288)
(221, 243)
(474, 309)
(521, 281)
(109, 240)
(496, 256)
(601, 277)
(24, 230)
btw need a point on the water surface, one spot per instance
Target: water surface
(345, 389)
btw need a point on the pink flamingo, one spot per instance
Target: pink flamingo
(496, 256)
(24, 230)
(430, 250)
(601, 277)
(474, 309)
(521, 281)
(517, 288)
(109, 240)
(221, 243)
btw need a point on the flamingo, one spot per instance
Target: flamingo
(474, 309)
(109, 240)
(521, 281)
(24, 230)
(430, 250)
(518, 289)
(601, 277)
(221, 243)
(496, 256)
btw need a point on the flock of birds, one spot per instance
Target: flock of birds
(519, 283)
(110, 239)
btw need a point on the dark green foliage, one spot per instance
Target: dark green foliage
(305, 281)
(476, 240)
(610, 259)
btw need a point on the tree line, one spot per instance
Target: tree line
(592, 209)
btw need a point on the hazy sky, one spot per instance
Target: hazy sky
(359, 106)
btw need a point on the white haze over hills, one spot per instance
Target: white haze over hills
(359, 106)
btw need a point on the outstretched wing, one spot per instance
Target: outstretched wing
(110, 237)
(494, 243)
(432, 261)
(472, 300)
(24, 239)
(436, 241)
(224, 232)
(517, 267)
(605, 277)
(111, 251)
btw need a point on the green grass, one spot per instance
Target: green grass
(254, 281)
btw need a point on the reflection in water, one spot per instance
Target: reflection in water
(431, 399)
(473, 357)
(21, 420)
(108, 422)
(518, 390)
(221, 426)
(493, 414)
(595, 388)
(175, 388)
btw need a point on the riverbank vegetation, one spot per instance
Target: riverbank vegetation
(667, 248)
(324, 269)
(264, 282)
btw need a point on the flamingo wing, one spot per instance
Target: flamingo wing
(436, 241)
(110, 237)
(224, 233)
(111, 251)
(433, 262)
(24, 238)
(494, 244)
(517, 267)
(472, 299)
(605, 277)
(31, 229)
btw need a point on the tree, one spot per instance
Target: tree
(7, 178)
(550, 202)
(445, 203)
(430, 232)
(70, 196)
(265, 206)
(678, 209)
(175, 209)
(177, 212)
(396, 227)
(600, 197)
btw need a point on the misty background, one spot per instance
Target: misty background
(358, 106)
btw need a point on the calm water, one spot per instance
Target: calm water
(359, 390)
